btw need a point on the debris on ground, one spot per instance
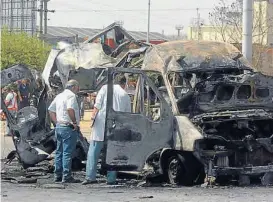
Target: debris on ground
(53, 186)
(145, 197)
(23, 180)
(267, 179)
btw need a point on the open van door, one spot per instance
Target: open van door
(131, 137)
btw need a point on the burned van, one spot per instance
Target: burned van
(199, 110)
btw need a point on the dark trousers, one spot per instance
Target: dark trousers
(24, 102)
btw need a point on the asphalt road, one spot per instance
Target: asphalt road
(127, 189)
(16, 192)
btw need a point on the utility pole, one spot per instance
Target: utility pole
(148, 30)
(198, 24)
(40, 10)
(247, 29)
(45, 15)
(43, 12)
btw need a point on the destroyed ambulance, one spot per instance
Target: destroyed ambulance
(199, 110)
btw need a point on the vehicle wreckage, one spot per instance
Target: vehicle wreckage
(199, 111)
(78, 60)
(209, 113)
(32, 135)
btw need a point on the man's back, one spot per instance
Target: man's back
(121, 100)
(63, 101)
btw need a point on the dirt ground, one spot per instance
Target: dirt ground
(14, 192)
(126, 190)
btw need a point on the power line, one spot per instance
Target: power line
(129, 10)
(118, 9)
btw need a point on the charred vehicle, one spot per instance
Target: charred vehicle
(199, 110)
(32, 134)
(79, 60)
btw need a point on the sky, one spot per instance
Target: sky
(165, 14)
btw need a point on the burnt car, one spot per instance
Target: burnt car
(32, 134)
(78, 60)
(200, 111)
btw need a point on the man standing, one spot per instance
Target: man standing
(121, 102)
(11, 103)
(64, 112)
(23, 94)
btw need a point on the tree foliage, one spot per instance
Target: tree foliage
(22, 48)
(226, 18)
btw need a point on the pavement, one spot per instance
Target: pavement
(17, 192)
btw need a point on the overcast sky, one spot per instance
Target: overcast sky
(165, 14)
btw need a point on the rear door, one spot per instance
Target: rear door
(131, 137)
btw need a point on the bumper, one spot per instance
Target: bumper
(251, 170)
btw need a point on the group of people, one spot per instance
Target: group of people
(65, 113)
(17, 98)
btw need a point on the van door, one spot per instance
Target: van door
(131, 137)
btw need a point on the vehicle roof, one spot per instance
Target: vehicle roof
(192, 55)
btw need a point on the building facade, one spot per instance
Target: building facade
(19, 15)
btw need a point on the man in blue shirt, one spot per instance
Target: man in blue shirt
(23, 94)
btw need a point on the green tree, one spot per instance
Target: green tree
(22, 48)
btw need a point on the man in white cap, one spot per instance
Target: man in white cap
(64, 112)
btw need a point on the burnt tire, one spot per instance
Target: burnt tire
(184, 170)
(175, 170)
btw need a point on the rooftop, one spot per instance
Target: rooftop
(67, 32)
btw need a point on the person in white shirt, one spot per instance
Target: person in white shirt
(122, 103)
(64, 112)
(11, 103)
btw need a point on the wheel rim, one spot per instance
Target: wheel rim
(174, 170)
